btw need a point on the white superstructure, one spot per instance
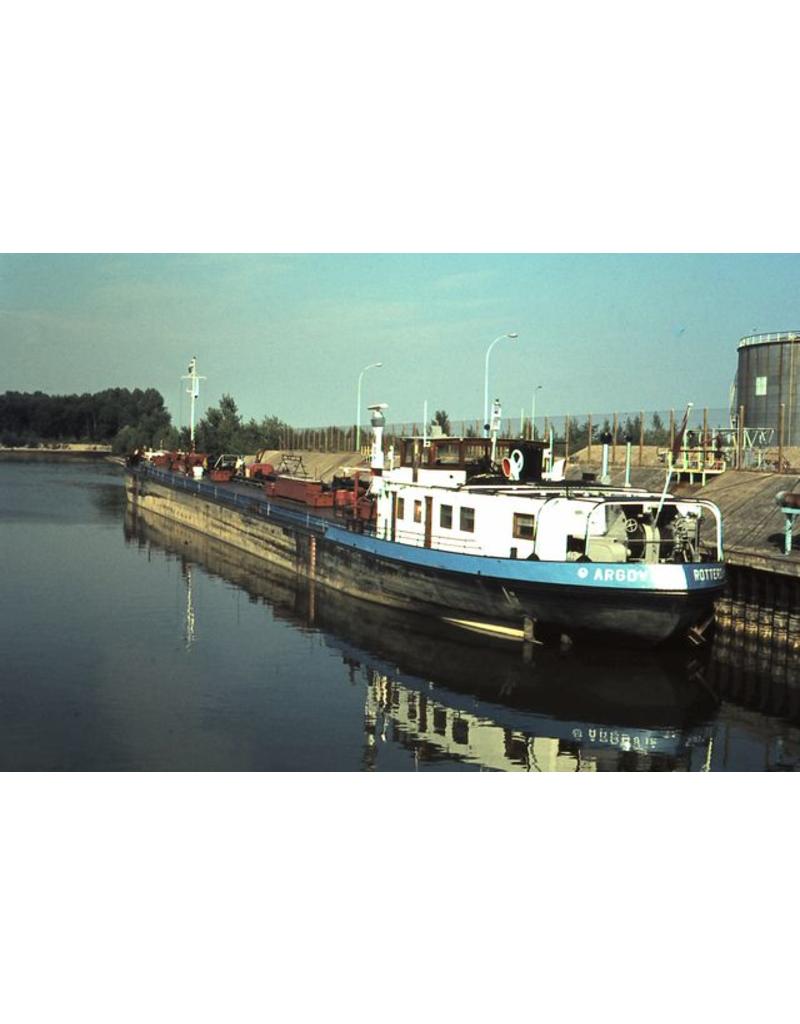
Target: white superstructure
(438, 497)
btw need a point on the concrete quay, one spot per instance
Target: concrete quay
(753, 521)
(760, 610)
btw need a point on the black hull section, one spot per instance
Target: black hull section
(645, 617)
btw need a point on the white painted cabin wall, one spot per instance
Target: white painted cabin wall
(557, 517)
(494, 521)
(441, 477)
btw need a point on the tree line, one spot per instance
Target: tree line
(116, 416)
(629, 429)
(126, 420)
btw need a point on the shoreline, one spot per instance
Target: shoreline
(53, 454)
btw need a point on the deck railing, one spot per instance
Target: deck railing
(255, 504)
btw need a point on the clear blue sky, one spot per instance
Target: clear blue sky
(288, 334)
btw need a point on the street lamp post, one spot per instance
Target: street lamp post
(533, 412)
(372, 366)
(512, 335)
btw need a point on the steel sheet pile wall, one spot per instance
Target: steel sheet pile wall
(768, 375)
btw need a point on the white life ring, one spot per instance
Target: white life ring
(513, 466)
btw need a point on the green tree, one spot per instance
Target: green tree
(441, 417)
(632, 428)
(657, 433)
(94, 418)
(578, 433)
(272, 430)
(219, 429)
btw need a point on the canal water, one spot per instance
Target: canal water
(130, 644)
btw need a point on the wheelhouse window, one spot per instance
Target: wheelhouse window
(417, 511)
(447, 454)
(524, 526)
(401, 508)
(467, 520)
(446, 517)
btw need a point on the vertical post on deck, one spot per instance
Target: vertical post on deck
(614, 439)
(641, 437)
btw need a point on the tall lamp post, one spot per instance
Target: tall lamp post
(372, 366)
(533, 412)
(512, 335)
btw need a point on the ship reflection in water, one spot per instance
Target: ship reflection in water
(447, 696)
(539, 743)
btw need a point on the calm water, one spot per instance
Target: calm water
(132, 644)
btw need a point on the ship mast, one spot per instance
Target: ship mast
(378, 422)
(194, 393)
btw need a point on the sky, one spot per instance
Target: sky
(288, 335)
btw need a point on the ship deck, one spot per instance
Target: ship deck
(251, 496)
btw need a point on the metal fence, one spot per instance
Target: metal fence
(580, 436)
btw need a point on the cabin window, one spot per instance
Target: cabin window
(524, 526)
(467, 520)
(417, 511)
(401, 508)
(475, 451)
(446, 517)
(447, 454)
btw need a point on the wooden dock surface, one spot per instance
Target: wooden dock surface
(753, 522)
